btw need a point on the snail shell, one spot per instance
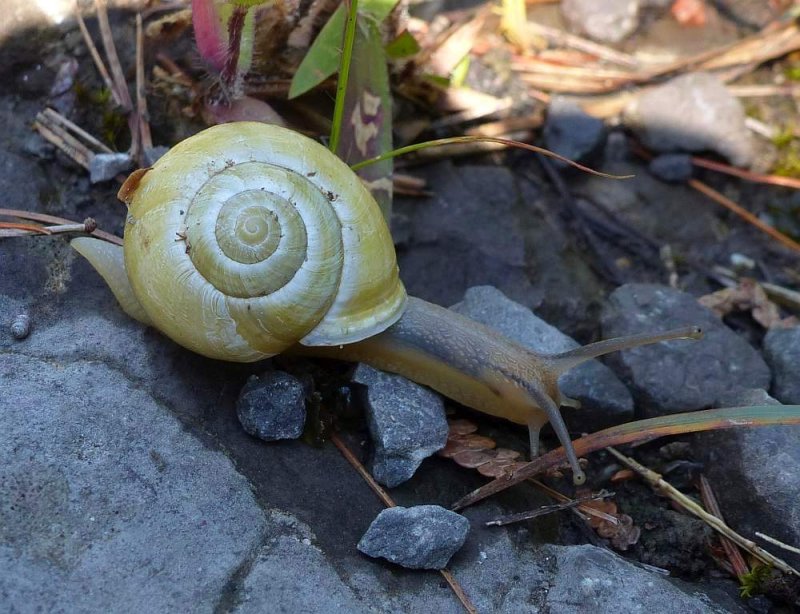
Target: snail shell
(248, 238)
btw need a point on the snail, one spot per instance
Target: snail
(248, 240)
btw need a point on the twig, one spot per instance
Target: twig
(98, 61)
(388, 502)
(142, 118)
(740, 568)
(56, 117)
(744, 214)
(778, 543)
(123, 96)
(60, 223)
(559, 37)
(546, 509)
(665, 488)
(786, 182)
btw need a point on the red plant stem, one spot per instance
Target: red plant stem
(230, 72)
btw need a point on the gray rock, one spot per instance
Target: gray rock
(590, 579)
(782, 352)
(105, 166)
(693, 112)
(609, 21)
(604, 398)
(273, 406)
(482, 242)
(673, 168)
(152, 154)
(679, 375)
(421, 537)
(407, 423)
(755, 473)
(105, 503)
(570, 131)
(483, 227)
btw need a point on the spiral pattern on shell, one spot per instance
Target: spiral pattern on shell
(247, 238)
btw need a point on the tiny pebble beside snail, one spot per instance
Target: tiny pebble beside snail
(247, 240)
(21, 326)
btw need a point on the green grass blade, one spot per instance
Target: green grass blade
(641, 430)
(344, 74)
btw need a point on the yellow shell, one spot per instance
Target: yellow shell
(248, 238)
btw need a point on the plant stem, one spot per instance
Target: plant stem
(344, 74)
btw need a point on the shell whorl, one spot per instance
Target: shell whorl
(247, 238)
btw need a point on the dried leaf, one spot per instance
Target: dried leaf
(472, 458)
(622, 534)
(748, 295)
(462, 427)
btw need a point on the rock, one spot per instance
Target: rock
(588, 578)
(153, 154)
(407, 423)
(21, 326)
(782, 352)
(481, 226)
(693, 112)
(273, 406)
(468, 233)
(608, 22)
(105, 166)
(604, 398)
(673, 168)
(421, 537)
(679, 375)
(106, 500)
(755, 473)
(571, 132)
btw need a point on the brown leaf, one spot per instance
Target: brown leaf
(748, 295)
(462, 427)
(622, 534)
(473, 458)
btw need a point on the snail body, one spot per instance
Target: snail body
(248, 240)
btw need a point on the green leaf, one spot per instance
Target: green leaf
(404, 46)
(322, 59)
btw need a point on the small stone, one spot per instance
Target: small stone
(609, 21)
(693, 112)
(672, 168)
(21, 326)
(105, 166)
(604, 398)
(680, 375)
(571, 132)
(272, 407)
(421, 537)
(782, 352)
(407, 423)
